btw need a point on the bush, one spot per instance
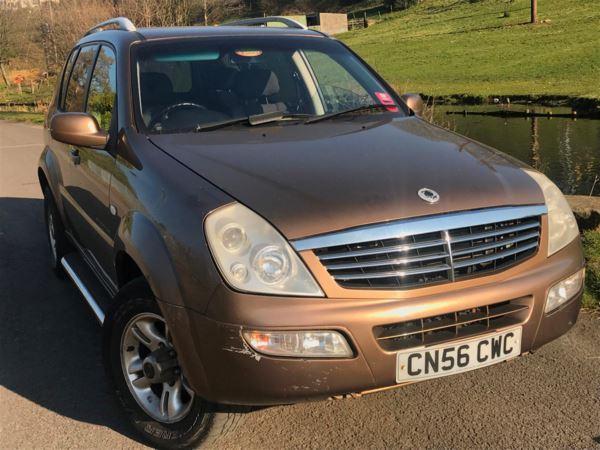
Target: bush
(591, 250)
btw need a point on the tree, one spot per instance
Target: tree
(216, 11)
(62, 24)
(8, 43)
(159, 13)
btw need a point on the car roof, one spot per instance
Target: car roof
(161, 33)
(148, 34)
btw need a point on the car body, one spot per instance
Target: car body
(137, 201)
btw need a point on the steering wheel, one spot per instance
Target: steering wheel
(164, 113)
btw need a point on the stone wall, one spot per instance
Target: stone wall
(586, 210)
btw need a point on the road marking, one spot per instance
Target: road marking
(3, 147)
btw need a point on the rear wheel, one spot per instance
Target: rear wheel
(55, 231)
(149, 382)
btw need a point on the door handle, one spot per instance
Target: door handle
(74, 154)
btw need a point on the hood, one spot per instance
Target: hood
(337, 174)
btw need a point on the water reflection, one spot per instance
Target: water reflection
(566, 150)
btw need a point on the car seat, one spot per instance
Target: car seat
(258, 91)
(157, 92)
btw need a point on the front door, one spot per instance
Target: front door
(87, 183)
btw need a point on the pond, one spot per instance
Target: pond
(567, 150)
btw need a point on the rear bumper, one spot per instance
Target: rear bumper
(222, 368)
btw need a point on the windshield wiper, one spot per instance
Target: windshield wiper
(373, 107)
(253, 120)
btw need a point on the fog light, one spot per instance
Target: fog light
(302, 344)
(565, 290)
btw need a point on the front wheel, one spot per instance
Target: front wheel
(150, 385)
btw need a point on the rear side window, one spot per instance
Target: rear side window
(75, 95)
(103, 88)
(67, 73)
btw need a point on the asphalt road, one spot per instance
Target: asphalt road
(53, 393)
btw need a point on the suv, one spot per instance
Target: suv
(255, 217)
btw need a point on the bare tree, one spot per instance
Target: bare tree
(61, 24)
(8, 44)
(216, 11)
(158, 13)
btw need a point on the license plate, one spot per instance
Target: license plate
(446, 359)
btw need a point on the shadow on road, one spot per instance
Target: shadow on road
(50, 344)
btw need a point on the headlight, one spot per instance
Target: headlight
(562, 227)
(300, 344)
(565, 290)
(253, 257)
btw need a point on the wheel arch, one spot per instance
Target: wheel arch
(43, 179)
(141, 253)
(140, 250)
(48, 173)
(126, 269)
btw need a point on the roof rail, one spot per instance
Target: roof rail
(118, 23)
(264, 21)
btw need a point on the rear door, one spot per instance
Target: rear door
(92, 89)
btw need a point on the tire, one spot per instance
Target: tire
(203, 423)
(55, 233)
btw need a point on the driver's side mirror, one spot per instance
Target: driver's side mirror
(414, 102)
(79, 129)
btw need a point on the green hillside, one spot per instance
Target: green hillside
(445, 47)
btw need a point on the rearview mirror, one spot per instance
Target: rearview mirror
(414, 102)
(78, 129)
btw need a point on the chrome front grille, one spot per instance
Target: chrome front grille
(431, 250)
(455, 325)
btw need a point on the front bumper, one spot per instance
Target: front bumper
(222, 368)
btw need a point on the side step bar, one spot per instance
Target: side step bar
(87, 283)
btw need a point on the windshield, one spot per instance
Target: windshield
(191, 85)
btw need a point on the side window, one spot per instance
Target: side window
(66, 74)
(75, 95)
(340, 89)
(103, 88)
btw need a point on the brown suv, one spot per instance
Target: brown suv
(256, 217)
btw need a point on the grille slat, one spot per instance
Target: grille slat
(499, 232)
(382, 250)
(496, 244)
(466, 319)
(386, 262)
(435, 257)
(494, 257)
(456, 325)
(392, 273)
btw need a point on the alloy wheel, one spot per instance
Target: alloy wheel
(52, 236)
(151, 369)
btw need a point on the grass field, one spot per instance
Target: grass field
(449, 47)
(591, 249)
(19, 116)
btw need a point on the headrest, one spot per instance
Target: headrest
(255, 83)
(156, 88)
